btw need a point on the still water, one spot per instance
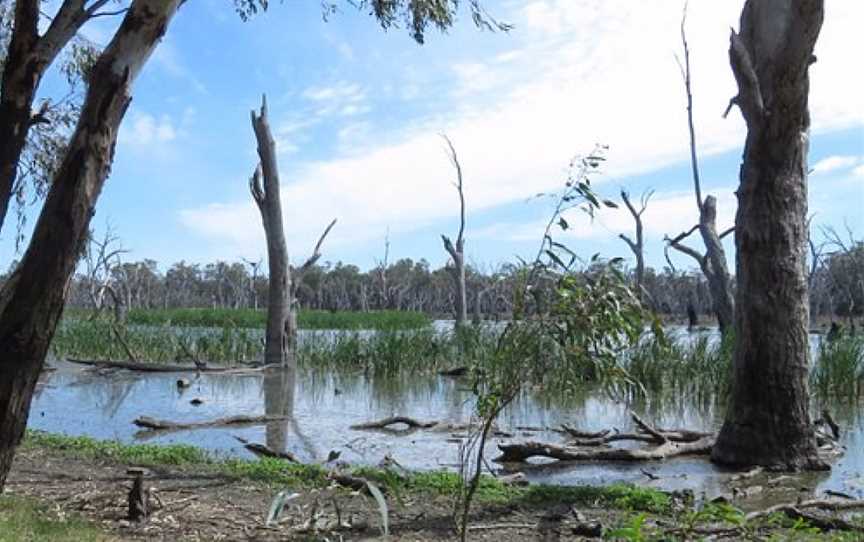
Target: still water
(322, 405)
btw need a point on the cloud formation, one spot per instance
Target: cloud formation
(577, 73)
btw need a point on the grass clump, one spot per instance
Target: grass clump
(257, 319)
(700, 366)
(24, 520)
(839, 368)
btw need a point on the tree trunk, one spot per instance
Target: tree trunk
(457, 253)
(281, 318)
(21, 75)
(768, 419)
(28, 56)
(718, 279)
(32, 299)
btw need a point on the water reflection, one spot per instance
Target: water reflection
(319, 407)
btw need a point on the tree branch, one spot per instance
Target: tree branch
(316, 254)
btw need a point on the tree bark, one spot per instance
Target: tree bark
(719, 280)
(768, 420)
(281, 332)
(457, 252)
(32, 299)
(28, 56)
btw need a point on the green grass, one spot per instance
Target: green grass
(24, 520)
(257, 319)
(385, 352)
(700, 368)
(839, 370)
(280, 473)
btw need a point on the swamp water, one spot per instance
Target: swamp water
(322, 405)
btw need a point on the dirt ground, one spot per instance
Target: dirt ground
(201, 505)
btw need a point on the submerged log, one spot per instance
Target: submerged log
(165, 367)
(395, 420)
(153, 424)
(518, 453)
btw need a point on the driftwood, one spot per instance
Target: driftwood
(153, 424)
(648, 434)
(165, 367)
(265, 451)
(517, 453)
(395, 420)
(456, 371)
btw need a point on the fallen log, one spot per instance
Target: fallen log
(165, 367)
(265, 451)
(575, 433)
(518, 453)
(153, 424)
(647, 433)
(456, 371)
(395, 420)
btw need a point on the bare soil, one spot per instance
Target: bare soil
(190, 504)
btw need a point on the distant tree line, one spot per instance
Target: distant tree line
(103, 281)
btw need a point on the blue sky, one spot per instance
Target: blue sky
(357, 114)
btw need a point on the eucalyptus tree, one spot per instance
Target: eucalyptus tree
(32, 299)
(768, 417)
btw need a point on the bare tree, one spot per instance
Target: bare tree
(457, 252)
(102, 260)
(281, 328)
(637, 246)
(32, 299)
(768, 416)
(713, 262)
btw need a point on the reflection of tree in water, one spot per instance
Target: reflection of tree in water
(278, 389)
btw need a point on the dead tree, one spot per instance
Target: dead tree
(101, 260)
(32, 299)
(768, 416)
(281, 334)
(713, 262)
(457, 252)
(637, 246)
(281, 328)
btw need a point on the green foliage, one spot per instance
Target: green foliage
(416, 15)
(24, 520)
(257, 319)
(695, 368)
(839, 369)
(634, 531)
(174, 454)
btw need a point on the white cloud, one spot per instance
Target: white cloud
(833, 163)
(667, 213)
(143, 130)
(581, 73)
(858, 171)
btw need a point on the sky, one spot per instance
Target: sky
(358, 113)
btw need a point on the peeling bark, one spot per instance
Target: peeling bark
(768, 419)
(32, 299)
